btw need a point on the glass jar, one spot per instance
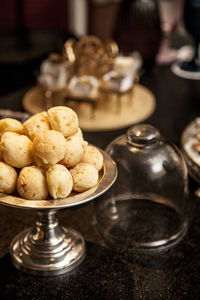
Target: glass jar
(146, 207)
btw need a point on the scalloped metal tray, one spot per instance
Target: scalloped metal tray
(192, 157)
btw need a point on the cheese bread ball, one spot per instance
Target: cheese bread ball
(8, 178)
(16, 149)
(63, 119)
(74, 151)
(49, 147)
(59, 181)
(32, 183)
(1, 156)
(10, 124)
(78, 133)
(93, 156)
(35, 124)
(84, 176)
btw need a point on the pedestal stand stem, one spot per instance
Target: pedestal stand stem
(47, 229)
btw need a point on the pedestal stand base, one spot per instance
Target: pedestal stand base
(47, 249)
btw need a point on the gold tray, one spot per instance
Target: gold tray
(107, 116)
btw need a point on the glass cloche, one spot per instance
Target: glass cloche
(146, 207)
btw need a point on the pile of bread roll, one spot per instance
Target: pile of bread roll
(47, 154)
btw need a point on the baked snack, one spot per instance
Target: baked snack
(42, 149)
(8, 178)
(59, 181)
(49, 148)
(84, 176)
(93, 156)
(79, 133)
(32, 183)
(196, 147)
(9, 124)
(35, 124)
(75, 147)
(63, 119)
(16, 149)
(198, 135)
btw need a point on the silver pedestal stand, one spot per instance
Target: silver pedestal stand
(49, 249)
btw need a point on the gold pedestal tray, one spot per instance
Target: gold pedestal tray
(47, 248)
(107, 116)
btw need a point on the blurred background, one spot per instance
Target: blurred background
(31, 29)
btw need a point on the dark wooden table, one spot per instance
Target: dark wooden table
(105, 274)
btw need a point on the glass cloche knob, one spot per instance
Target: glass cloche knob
(142, 135)
(146, 207)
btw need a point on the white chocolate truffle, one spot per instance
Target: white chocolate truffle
(10, 124)
(93, 157)
(16, 149)
(74, 151)
(8, 178)
(49, 147)
(32, 183)
(63, 119)
(35, 124)
(59, 181)
(84, 176)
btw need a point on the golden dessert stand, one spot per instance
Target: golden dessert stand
(48, 249)
(106, 115)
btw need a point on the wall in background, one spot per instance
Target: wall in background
(101, 17)
(33, 14)
(81, 17)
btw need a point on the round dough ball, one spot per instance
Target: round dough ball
(74, 151)
(63, 119)
(32, 183)
(59, 181)
(8, 178)
(79, 133)
(16, 149)
(84, 176)
(35, 124)
(10, 124)
(93, 157)
(49, 147)
(1, 154)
